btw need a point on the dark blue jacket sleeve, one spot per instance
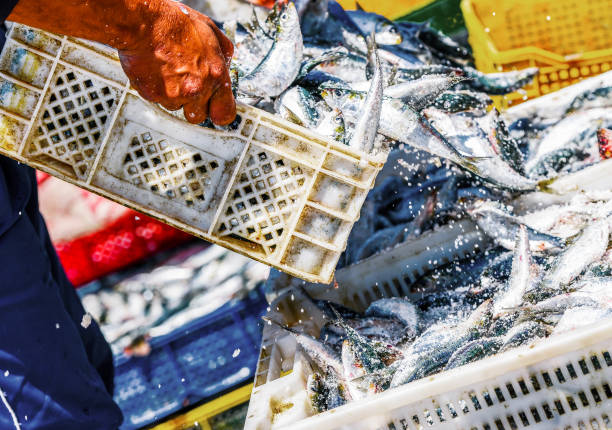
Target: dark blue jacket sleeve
(6, 6)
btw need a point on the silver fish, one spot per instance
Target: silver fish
(520, 277)
(366, 128)
(398, 308)
(577, 132)
(282, 63)
(473, 351)
(432, 350)
(502, 227)
(523, 333)
(590, 246)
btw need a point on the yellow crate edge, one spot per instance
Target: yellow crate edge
(203, 413)
(392, 9)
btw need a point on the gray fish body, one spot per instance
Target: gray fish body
(477, 151)
(282, 63)
(460, 101)
(398, 308)
(366, 127)
(574, 134)
(297, 105)
(473, 351)
(503, 228)
(520, 277)
(433, 349)
(422, 92)
(499, 83)
(590, 246)
(321, 354)
(522, 334)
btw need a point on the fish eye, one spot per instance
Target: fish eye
(338, 120)
(284, 16)
(393, 30)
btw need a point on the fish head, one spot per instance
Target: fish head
(387, 33)
(288, 24)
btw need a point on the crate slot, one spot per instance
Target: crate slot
(26, 66)
(323, 227)
(39, 40)
(264, 199)
(12, 132)
(76, 113)
(17, 99)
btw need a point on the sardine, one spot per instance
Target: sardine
(502, 227)
(590, 246)
(281, 64)
(366, 127)
(521, 276)
(475, 350)
(397, 308)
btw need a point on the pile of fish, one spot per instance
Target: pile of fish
(360, 79)
(370, 83)
(470, 309)
(363, 80)
(157, 300)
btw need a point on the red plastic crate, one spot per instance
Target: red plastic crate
(125, 241)
(107, 236)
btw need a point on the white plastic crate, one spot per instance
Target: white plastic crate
(265, 188)
(562, 382)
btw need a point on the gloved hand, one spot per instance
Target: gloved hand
(172, 54)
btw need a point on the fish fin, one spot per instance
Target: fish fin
(425, 122)
(359, 7)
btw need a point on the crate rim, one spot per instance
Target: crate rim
(464, 376)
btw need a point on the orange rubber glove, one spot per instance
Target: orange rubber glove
(172, 54)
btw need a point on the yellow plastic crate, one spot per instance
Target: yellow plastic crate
(203, 416)
(392, 9)
(568, 40)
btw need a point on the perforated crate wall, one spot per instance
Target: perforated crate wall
(262, 187)
(563, 382)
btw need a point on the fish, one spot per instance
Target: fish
(493, 218)
(523, 333)
(386, 31)
(399, 309)
(282, 63)
(319, 352)
(589, 247)
(366, 128)
(573, 136)
(473, 351)
(477, 148)
(432, 350)
(499, 83)
(462, 100)
(441, 42)
(521, 276)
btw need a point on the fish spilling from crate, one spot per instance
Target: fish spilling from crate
(265, 186)
(546, 271)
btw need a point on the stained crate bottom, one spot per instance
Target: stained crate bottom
(198, 361)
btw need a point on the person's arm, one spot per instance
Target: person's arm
(172, 54)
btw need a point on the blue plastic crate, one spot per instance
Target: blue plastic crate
(192, 363)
